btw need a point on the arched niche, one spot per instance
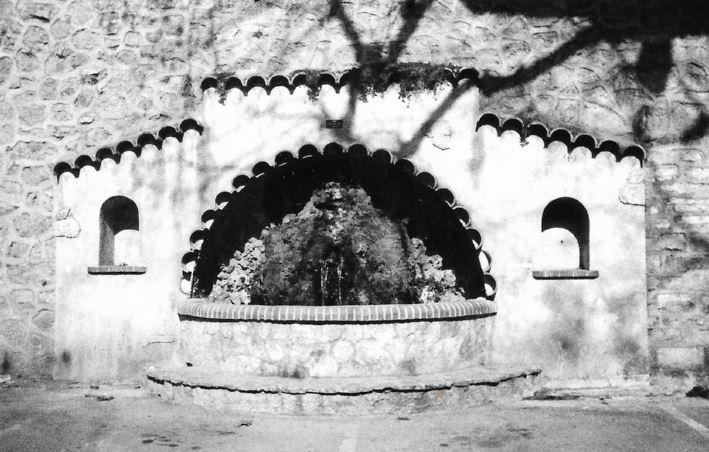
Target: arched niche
(570, 214)
(285, 188)
(565, 224)
(119, 226)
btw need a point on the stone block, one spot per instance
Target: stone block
(36, 175)
(691, 205)
(685, 358)
(693, 155)
(342, 351)
(685, 116)
(676, 303)
(35, 275)
(14, 332)
(684, 189)
(61, 112)
(7, 133)
(85, 39)
(39, 200)
(110, 22)
(18, 249)
(697, 223)
(132, 39)
(40, 344)
(59, 61)
(36, 11)
(698, 175)
(61, 28)
(632, 194)
(672, 242)
(78, 60)
(21, 297)
(695, 74)
(5, 69)
(7, 111)
(61, 132)
(26, 61)
(84, 98)
(691, 280)
(33, 114)
(36, 39)
(44, 319)
(45, 298)
(81, 11)
(31, 224)
(68, 87)
(10, 31)
(127, 57)
(666, 172)
(10, 189)
(48, 89)
(7, 209)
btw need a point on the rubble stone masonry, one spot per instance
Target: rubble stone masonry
(76, 76)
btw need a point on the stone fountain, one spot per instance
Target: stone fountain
(338, 304)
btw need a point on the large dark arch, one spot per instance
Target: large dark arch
(275, 191)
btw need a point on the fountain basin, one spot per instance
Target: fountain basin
(337, 341)
(338, 359)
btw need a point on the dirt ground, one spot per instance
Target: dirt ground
(55, 416)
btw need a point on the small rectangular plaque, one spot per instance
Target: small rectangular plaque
(333, 123)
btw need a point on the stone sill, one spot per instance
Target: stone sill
(201, 309)
(117, 270)
(565, 274)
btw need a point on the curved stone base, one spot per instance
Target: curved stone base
(349, 396)
(337, 341)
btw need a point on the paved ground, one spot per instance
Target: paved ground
(48, 416)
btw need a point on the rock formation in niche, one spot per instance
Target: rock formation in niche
(338, 250)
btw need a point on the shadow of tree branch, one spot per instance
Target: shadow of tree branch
(605, 26)
(409, 147)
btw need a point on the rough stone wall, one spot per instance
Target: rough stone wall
(79, 75)
(337, 350)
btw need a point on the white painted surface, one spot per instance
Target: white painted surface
(593, 329)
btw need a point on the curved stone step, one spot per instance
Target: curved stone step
(279, 395)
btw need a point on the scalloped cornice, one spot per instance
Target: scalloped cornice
(143, 140)
(562, 135)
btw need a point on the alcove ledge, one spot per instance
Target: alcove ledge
(117, 270)
(565, 274)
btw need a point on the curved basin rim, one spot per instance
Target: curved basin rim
(201, 309)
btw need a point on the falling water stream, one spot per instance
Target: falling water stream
(331, 280)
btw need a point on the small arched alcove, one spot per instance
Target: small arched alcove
(565, 247)
(119, 237)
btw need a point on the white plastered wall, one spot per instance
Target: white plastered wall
(113, 326)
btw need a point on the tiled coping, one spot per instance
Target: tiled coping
(117, 270)
(201, 309)
(565, 274)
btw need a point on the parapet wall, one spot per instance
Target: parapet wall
(77, 76)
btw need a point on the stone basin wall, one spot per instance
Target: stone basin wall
(381, 340)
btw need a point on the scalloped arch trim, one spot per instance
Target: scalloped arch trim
(143, 140)
(486, 119)
(241, 182)
(318, 79)
(563, 135)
